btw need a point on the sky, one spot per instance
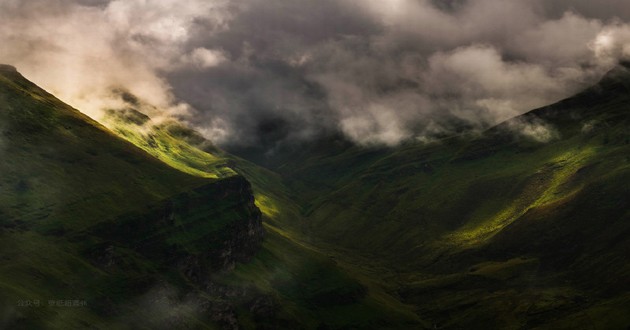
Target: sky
(280, 71)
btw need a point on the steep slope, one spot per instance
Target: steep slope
(92, 226)
(513, 228)
(476, 188)
(520, 226)
(303, 286)
(524, 226)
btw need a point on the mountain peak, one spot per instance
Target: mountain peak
(7, 68)
(10, 72)
(619, 72)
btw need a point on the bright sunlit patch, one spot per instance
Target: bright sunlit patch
(169, 149)
(556, 174)
(266, 205)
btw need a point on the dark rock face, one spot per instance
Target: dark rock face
(194, 234)
(198, 232)
(7, 68)
(233, 208)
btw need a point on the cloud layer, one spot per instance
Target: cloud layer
(380, 72)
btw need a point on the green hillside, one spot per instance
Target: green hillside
(154, 232)
(523, 226)
(303, 286)
(503, 230)
(92, 226)
(509, 229)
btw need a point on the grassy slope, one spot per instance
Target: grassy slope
(167, 142)
(51, 152)
(395, 201)
(309, 289)
(501, 231)
(320, 286)
(65, 177)
(67, 183)
(525, 229)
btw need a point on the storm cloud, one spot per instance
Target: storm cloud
(380, 72)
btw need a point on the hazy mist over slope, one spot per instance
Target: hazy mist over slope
(378, 71)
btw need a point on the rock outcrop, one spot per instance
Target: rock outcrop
(204, 230)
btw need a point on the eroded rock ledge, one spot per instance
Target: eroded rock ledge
(200, 231)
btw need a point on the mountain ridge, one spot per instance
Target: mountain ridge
(469, 225)
(504, 230)
(87, 215)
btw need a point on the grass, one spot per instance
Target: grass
(158, 140)
(84, 215)
(436, 211)
(492, 232)
(314, 290)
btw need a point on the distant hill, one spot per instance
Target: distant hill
(524, 226)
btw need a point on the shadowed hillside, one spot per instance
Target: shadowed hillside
(303, 285)
(159, 236)
(523, 226)
(88, 217)
(510, 228)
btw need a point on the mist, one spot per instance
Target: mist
(379, 72)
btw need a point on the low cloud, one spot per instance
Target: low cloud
(205, 58)
(254, 71)
(84, 53)
(535, 130)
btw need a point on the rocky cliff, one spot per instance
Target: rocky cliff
(88, 216)
(200, 231)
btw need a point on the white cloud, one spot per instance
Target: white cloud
(81, 53)
(205, 58)
(536, 130)
(378, 71)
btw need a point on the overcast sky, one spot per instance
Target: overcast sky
(378, 71)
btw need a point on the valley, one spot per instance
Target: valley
(522, 226)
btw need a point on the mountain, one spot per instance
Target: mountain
(146, 226)
(303, 285)
(515, 228)
(88, 218)
(524, 226)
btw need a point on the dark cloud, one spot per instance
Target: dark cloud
(601, 9)
(248, 72)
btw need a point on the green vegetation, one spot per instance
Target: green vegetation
(166, 142)
(307, 288)
(499, 231)
(88, 217)
(495, 231)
